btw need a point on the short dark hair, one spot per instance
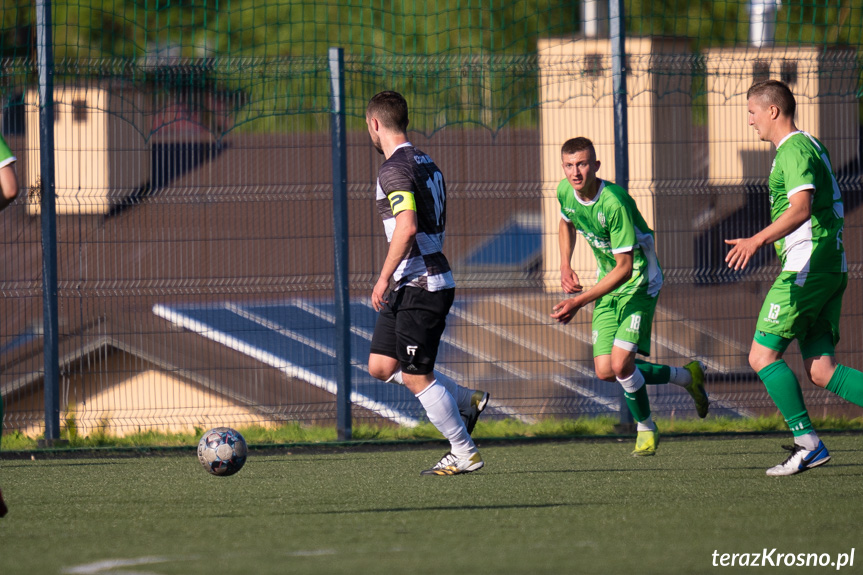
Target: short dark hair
(775, 93)
(391, 110)
(574, 145)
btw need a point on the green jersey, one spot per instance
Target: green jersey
(612, 224)
(6, 156)
(803, 163)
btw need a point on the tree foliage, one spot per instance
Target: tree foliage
(483, 68)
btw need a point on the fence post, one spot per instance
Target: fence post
(45, 62)
(340, 242)
(617, 29)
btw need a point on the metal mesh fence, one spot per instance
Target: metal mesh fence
(194, 197)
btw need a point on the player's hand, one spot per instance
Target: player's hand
(741, 252)
(379, 293)
(566, 310)
(569, 281)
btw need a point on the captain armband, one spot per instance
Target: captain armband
(401, 201)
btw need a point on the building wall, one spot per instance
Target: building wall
(576, 92)
(816, 76)
(125, 395)
(100, 153)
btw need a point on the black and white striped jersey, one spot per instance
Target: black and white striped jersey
(410, 179)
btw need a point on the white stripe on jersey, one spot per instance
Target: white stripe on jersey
(413, 268)
(654, 272)
(798, 248)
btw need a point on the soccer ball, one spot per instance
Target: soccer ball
(222, 451)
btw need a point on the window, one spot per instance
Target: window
(760, 70)
(788, 72)
(79, 111)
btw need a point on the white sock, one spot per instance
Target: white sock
(680, 376)
(459, 393)
(442, 411)
(809, 442)
(646, 425)
(632, 383)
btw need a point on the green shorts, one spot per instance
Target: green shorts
(805, 307)
(624, 321)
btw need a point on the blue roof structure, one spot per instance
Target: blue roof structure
(516, 247)
(297, 337)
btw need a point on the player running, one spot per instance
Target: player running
(411, 199)
(805, 301)
(628, 284)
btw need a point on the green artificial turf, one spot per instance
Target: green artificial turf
(579, 506)
(549, 427)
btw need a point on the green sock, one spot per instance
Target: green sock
(638, 403)
(654, 373)
(847, 383)
(784, 390)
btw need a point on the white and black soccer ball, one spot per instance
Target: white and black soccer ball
(222, 451)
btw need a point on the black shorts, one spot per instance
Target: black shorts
(410, 325)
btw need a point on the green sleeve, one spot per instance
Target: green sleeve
(799, 170)
(621, 228)
(561, 194)
(5, 153)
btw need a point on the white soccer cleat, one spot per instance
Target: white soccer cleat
(800, 460)
(452, 465)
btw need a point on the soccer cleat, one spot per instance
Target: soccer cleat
(696, 388)
(3, 508)
(452, 465)
(800, 460)
(646, 443)
(478, 401)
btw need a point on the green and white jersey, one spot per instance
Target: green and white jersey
(803, 163)
(612, 224)
(6, 156)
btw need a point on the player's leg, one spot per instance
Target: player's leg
(471, 402)
(629, 376)
(690, 377)
(383, 362)
(819, 350)
(808, 450)
(420, 322)
(846, 382)
(604, 326)
(619, 332)
(384, 365)
(614, 359)
(781, 319)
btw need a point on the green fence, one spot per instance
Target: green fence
(194, 197)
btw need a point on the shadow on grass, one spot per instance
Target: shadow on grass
(65, 463)
(459, 508)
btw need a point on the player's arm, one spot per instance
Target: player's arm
(619, 275)
(8, 186)
(797, 213)
(566, 236)
(402, 241)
